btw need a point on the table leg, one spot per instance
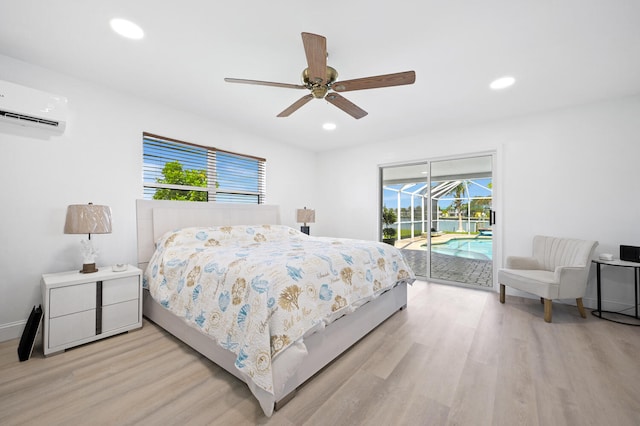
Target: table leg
(598, 288)
(637, 271)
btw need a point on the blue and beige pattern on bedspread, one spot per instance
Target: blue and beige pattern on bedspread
(257, 289)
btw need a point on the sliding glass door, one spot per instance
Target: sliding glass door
(439, 213)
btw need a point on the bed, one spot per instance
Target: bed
(274, 328)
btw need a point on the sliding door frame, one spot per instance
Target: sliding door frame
(496, 205)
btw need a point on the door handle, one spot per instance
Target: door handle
(492, 217)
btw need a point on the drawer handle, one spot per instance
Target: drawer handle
(99, 307)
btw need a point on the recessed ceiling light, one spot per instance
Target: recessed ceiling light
(126, 28)
(502, 83)
(329, 126)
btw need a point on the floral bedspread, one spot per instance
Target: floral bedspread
(257, 289)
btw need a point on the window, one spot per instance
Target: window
(176, 170)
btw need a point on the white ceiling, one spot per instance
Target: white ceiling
(561, 52)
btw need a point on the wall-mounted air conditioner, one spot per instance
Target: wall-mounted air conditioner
(30, 107)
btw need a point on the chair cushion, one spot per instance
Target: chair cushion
(539, 282)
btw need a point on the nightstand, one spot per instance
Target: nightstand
(80, 308)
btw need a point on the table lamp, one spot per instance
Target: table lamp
(88, 219)
(306, 216)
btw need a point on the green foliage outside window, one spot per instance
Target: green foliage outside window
(389, 217)
(174, 174)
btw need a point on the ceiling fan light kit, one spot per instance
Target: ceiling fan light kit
(320, 80)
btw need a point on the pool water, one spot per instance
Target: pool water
(470, 248)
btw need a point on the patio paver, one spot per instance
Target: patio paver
(451, 268)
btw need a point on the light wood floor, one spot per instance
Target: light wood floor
(454, 357)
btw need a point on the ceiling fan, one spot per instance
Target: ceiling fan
(320, 79)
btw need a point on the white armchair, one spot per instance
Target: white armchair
(558, 269)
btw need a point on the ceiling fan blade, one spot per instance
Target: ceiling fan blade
(315, 47)
(264, 83)
(296, 105)
(387, 80)
(346, 105)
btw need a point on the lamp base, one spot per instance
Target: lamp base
(88, 268)
(304, 230)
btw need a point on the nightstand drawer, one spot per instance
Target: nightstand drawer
(71, 299)
(120, 315)
(120, 290)
(71, 328)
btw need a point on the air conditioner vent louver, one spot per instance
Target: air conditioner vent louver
(29, 107)
(35, 120)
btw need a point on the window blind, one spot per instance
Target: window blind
(177, 170)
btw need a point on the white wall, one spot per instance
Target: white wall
(99, 159)
(571, 172)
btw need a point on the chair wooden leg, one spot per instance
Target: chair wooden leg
(502, 291)
(583, 314)
(547, 310)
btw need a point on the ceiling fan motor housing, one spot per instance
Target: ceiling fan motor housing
(318, 89)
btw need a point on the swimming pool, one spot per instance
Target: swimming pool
(469, 248)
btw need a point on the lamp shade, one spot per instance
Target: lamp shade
(306, 215)
(88, 219)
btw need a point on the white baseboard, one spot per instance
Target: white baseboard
(12, 330)
(608, 305)
(589, 302)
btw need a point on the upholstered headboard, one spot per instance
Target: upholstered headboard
(156, 217)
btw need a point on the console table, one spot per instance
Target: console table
(620, 264)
